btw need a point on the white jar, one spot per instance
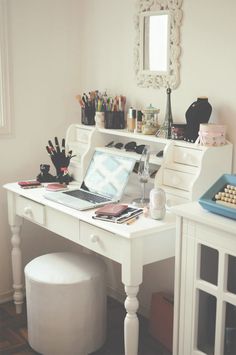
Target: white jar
(157, 203)
(99, 119)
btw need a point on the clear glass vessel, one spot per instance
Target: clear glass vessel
(150, 120)
(143, 173)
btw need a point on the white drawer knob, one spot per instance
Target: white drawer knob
(94, 238)
(27, 211)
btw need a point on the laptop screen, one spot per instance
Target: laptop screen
(108, 174)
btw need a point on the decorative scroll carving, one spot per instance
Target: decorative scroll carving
(172, 79)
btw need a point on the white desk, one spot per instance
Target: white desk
(133, 246)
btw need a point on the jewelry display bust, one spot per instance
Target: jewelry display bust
(198, 112)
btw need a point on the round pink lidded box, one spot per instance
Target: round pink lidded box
(212, 134)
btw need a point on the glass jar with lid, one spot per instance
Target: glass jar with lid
(150, 120)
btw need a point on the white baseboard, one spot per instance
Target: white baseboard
(120, 296)
(6, 296)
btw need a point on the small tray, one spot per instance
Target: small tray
(207, 200)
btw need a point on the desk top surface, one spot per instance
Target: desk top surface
(144, 226)
(196, 213)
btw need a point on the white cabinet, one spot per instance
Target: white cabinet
(205, 283)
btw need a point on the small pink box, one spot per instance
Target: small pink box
(212, 134)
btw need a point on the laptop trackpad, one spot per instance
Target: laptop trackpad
(69, 201)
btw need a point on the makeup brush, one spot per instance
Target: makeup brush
(79, 98)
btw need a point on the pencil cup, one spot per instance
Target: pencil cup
(114, 120)
(87, 116)
(99, 119)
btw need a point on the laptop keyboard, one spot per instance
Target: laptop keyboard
(87, 196)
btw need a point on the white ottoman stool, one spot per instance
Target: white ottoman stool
(66, 303)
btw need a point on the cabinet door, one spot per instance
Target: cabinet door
(208, 291)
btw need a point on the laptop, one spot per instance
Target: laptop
(104, 182)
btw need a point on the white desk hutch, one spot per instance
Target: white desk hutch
(185, 172)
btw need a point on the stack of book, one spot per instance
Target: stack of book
(117, 213)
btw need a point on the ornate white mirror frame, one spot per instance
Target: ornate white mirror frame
(171, 77)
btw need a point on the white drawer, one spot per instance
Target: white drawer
(63, 224)
(177, 179)
(101, 241)
(172, 200)
(30, 210)
(187, 156)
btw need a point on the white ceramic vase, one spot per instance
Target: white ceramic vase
(99, 119)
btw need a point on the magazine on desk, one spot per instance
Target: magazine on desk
(125, 216)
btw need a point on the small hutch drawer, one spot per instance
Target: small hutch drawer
(187, 156)
(177, 179)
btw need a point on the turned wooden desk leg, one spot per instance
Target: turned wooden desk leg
(131, 326)
(17, 268)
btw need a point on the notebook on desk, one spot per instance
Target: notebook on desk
(104, 182)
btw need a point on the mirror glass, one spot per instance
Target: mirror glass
(157, 43)
(155, 39)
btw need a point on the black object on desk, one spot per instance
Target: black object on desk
(60, 160)
(88, 115)
(114, 120)
(160, 154)
(198, 112)
(44, 175)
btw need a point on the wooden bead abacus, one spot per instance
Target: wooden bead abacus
(227, 197)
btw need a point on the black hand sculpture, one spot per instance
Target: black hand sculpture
(60, 160)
